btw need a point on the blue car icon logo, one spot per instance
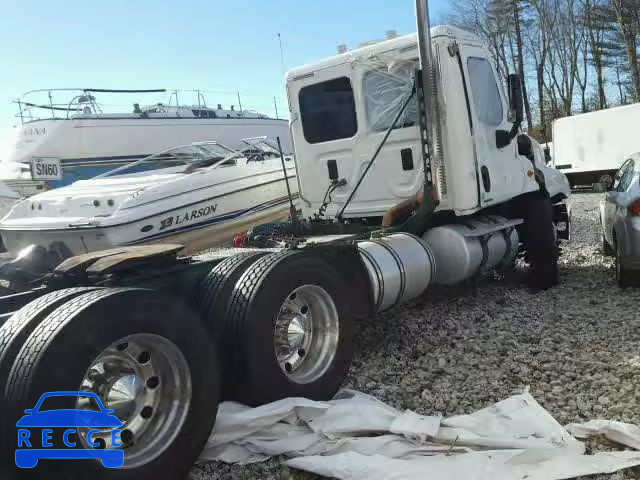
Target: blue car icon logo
(36, 433)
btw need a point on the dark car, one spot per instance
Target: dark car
(620, 220)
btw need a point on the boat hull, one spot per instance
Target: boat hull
(212, 231)
(92, 146)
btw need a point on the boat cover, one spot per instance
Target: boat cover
(356, 436)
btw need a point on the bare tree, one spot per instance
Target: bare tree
(566, 41)
(515, 4)
(595, 27)
(627, 13)
(582, 67)
(537, 43)
(575, 51)
(473, 15)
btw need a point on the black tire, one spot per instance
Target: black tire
(213, 293)
(15, 331)
(248, 335)
(624, 277)
(57, 354)
(539, 240)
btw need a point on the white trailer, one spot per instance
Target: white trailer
(591, 145)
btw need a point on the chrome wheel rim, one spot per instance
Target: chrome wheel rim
(306, 335)
(146, 380)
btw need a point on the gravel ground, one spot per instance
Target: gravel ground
(577, 346)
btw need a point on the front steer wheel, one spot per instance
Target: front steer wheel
(144, 355)
(539, 239)
(288, 329)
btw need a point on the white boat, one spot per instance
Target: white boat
(198, 195)
(13, 191)
(88, 141)
(8, 198)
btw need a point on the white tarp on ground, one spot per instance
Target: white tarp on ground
(355, 436)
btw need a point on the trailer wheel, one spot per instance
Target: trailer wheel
(540, 240)
(289, 329)
(146, 356)
(213, 293)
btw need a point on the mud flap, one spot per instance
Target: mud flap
(562, 220)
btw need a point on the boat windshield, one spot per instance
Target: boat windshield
(185, 159)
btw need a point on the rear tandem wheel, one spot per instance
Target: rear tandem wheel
(13, 334)
(288, 330)
(147, 356)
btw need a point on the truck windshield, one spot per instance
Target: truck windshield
(183, 159)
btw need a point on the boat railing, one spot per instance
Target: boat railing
(42, 104)
(202, 103)
(200, 98)
(82, 102)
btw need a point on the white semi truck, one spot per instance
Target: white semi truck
(377, 145)
(588, 146)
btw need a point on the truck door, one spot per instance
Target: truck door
(324, 127)
(398, 171)
(339, 116)
(502, 172)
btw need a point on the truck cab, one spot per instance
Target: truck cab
(342, 107)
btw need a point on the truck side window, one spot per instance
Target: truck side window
(328, 111)
(486, 96)
(384, 95)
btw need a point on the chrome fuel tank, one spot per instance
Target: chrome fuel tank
(473, 246)
(400, 266)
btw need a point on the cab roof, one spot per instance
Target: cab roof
(403, 43)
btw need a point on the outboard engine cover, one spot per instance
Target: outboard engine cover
(400, 267)
(472, 247)
(32, 263)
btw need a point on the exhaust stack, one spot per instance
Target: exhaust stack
(432, 135)
(426, 59)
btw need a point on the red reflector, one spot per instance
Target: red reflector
(240, 240)
(634, 208)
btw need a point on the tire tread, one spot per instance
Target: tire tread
(28, 357)
(15, 331)
(212, 303)
(241, 299)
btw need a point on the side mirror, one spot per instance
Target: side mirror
(599, 187)
(516, 109)
(607, 181)
(605, 184)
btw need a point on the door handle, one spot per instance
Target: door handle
(332, 167)
(406, 156)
